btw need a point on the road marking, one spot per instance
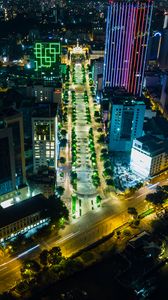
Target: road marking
(153, 185)
(67, 237)
(129, 198)
(142, 195)
(3, 269)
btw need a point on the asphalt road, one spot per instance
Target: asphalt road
(79, 233)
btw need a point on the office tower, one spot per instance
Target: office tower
(45, 136)
(12, 123)
(164, 93)
(126, 121)
(48, 60)
(165, 24)
(163, 58)
(127, 35)
(97, 69)
(154, 46)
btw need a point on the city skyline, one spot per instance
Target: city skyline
(83, 149)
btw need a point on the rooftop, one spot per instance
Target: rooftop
(157, 126)
(8, 113)
(153, 145)
(121, 97)
(22, 209)
(45, 110)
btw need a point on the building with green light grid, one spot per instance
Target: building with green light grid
(48, 60)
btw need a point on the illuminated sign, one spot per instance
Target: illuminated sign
(47, 54)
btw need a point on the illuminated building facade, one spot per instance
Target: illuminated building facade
(149, 156)
(22, 217)
(45, 93)
(127, 35)
(163, 58)
(48, 60)
(45, 136)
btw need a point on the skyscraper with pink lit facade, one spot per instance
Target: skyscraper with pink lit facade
(127, 36)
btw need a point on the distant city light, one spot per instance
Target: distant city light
(157, 34)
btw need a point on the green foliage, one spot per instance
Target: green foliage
(127, 232)
(98, 200)
(107, 164)
(63, 142)
(74, 199)
(62, 160)
(29, 269)
(59, 190)
(132, 211)
(108, 172)
(101, 139)
(157, 198)
(63, 132)
(96, 114)
(109, 181)
(44, 257)
(55, 256)
(99, 129)
(57, 209)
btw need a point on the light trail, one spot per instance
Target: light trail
(67, 237)
(19, 256)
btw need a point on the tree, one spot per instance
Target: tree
(73, 175)
(104, 150)
(98, 200)
(104, 156)
(108, 172)
(29, 269)
(63, 142)
(60, 190)
(63, 132)
(157, 198)
(72, 265)
(97, 114)
(99, 129)
(44, 255)
(107, 164)
(55, 256)
(62, 160)
(57, 208)
(109, 181)
(132, 211)
(118, 232)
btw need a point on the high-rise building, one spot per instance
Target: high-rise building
(149, 156)
(163, 58)
(127, 35)
(164, 93)
(126, 116)
(97, 69)
(12, 146)
(45, 136)
(154, 46)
